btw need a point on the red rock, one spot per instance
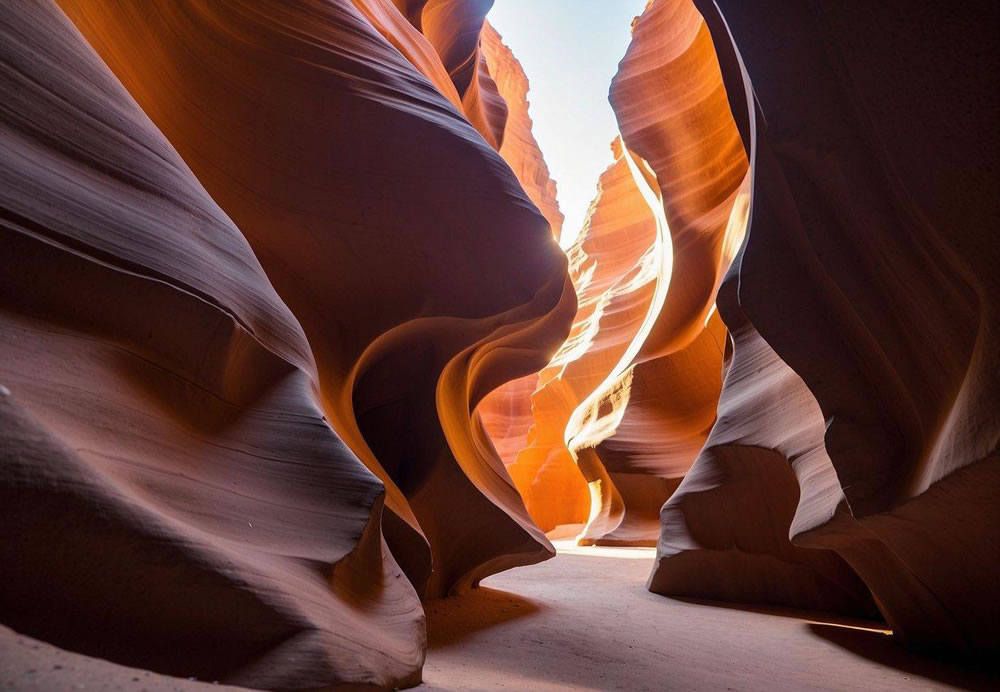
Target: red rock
(171, 494)
(875, 241)
(506, 412)
(421, 274)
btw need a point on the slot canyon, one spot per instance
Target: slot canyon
(311, 378)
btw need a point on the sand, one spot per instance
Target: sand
(584, 620)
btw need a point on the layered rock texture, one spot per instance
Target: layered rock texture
(631, 397)
(611, 266)
(462, 294)
(858, 415)
(171, 493)
(506, 412)
(226, 470)
(283, 323)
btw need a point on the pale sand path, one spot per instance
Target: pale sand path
(584, 620)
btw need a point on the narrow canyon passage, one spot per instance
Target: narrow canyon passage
(343, 348)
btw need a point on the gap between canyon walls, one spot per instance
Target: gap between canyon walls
(289, 345)
(780, 484)
(631, 396)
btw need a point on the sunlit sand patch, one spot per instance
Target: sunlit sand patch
(568, 546)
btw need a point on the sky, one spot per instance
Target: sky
(570, 51)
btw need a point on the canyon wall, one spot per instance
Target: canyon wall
(253, 488)
(506, 412)
(171, 493)
(863, 315)
(461, 292)
(612, 268)
(284, 323)
(631, 397)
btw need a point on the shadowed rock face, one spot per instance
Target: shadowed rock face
(198, 453)
(865, 294)
(725, 529)
(171, 493)
(330, 151)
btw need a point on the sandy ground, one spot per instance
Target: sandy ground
(583, 621)
(28, 664)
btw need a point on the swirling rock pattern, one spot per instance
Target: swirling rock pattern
(866, 292)
(506, 412)
(639, 431)
(415, 307)
(171, 493)
(614, 276)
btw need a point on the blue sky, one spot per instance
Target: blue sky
(570, 51)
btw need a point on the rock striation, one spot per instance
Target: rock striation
(506, 411)
(638, 432)
(862, 309)
(460, 294)
(248, 495)
(614, 274)
(171, 492)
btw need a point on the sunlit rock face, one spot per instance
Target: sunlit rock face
(519, 148)
(614, 275)
(638, 432)
(877, 241)
(171, 493)
(421, 274)
(506, 412)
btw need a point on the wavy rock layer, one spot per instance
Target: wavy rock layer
(506, 412)
(725, 529)
(421, 274)
(520, 149)
(639, 431)
(171, 493)
(613, 275)
(673, 112)
(453, 29)
(867, 295)
(668, 407)
(888, 262)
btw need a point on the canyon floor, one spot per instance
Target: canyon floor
(584, 621)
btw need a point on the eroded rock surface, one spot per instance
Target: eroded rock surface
(863, 311)
(171, 493)
(416, 302)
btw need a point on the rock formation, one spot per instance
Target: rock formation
(415, 306)
(637, 433)
(283, 323)
(863, 312)
(611, 266)
(736, 506)
(506, 411)
(519, 148)
(195, 451)
(171, 494)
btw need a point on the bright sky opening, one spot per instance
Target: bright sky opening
(570, 51)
